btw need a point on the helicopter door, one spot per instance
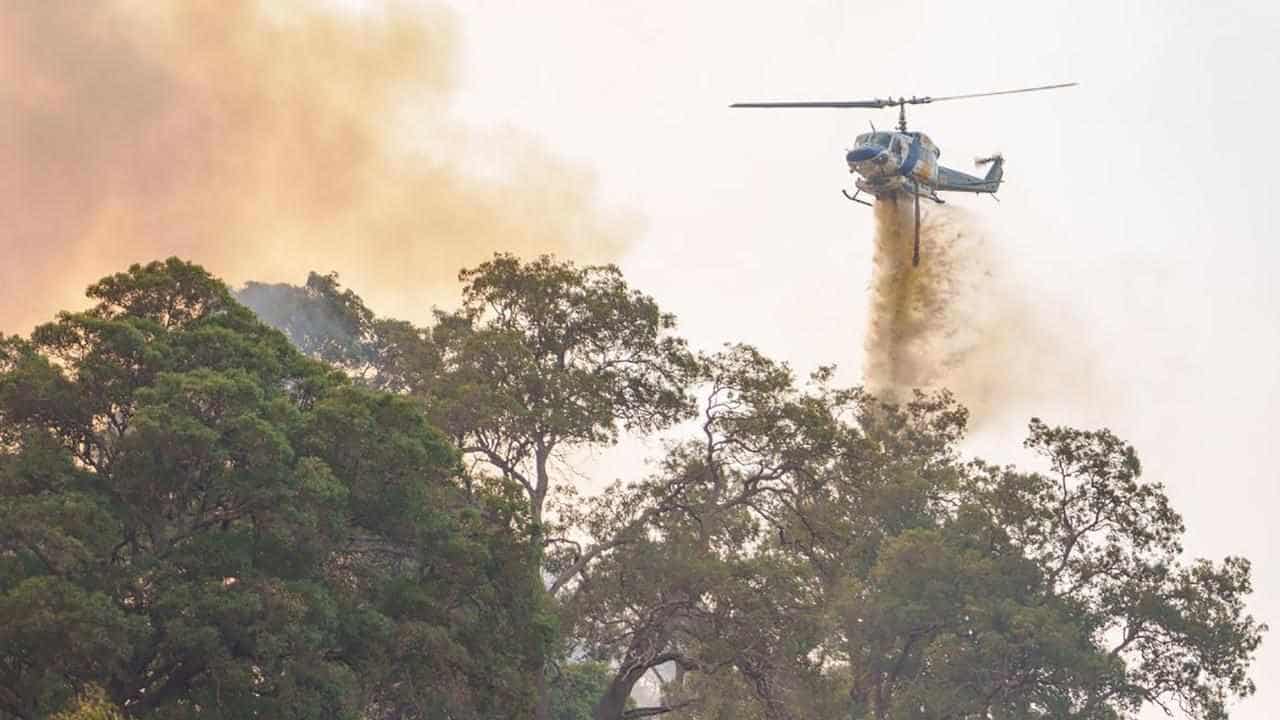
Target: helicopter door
(921, 161)
(900, 148)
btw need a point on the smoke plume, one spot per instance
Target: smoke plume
(261, 140)
(957, 322)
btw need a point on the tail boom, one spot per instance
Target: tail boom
(956, 181)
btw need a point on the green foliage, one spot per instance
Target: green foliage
(576, 688)
(205, 523)
(808, 551)
(541, 355)
(593, 353)
(839, 557)
(92, 704)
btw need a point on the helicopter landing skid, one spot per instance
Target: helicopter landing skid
(854, 197)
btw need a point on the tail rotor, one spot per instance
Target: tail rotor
(996, 161)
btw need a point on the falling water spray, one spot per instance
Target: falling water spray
(957, 321)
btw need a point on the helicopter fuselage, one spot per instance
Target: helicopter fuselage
(893, 163)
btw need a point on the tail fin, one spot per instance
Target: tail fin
(997, 167)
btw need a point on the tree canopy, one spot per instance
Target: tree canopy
(205, 523)
(202, 521)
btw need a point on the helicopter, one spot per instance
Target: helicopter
(891, 164)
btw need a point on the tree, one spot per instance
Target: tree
(206, 523)
(960, 590)
(576, 688)
(682, 570)
(545, 356)
(542, 357)
(323, 321)
(335, 326)
(820, 543)
(92, 704)
(1111, 591)
(812, 551)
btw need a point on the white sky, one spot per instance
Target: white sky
(1139, 205)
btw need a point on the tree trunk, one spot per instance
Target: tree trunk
(614, 701)
(541, 480)
(542, 709)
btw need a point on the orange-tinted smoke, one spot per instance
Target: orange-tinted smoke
(957, 321)
(262, 140)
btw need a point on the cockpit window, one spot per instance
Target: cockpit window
(879, 139)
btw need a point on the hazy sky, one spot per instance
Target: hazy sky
(1135, 224)
(1138, 217)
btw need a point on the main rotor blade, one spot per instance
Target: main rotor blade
(1002, 92)
(818, 104)
(890, 102)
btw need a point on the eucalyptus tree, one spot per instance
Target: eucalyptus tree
(541, 358)
(682, 571)
(959, 590)
(810, 550)
(821, 551)
(545, 356)
(205, 523)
